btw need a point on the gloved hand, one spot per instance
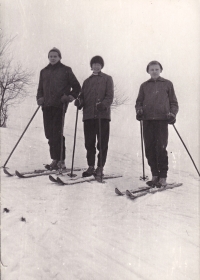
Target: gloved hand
(171, 118)
(101, 107)
(139, 115)
(78, 103)
(67, 98)
(40, 101)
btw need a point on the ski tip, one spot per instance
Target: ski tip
(118, 192)
(129, 194)
(60, 181)
(52, 179)
(6, 171)
(179, 184)
(19, 174)
(174, 185)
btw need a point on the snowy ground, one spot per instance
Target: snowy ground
(86, 231)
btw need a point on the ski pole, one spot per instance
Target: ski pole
(71, 174)
(100, 147)
(187, 150)
(144, 178)
(4, 166)
(62, 129)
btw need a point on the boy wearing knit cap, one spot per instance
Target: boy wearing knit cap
(95, 99)
(57, 86)
(156, 106)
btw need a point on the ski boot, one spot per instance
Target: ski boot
(53, 165)
(153, 181)
(161, 183)
(99, 174)
(99, 171)
(89, 172)
(61, 166)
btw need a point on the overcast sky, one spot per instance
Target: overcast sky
(127, 34)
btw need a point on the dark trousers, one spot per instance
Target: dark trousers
(52, 117)
(91, 133)
(156, 140)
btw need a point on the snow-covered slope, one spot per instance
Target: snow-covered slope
(86, 231)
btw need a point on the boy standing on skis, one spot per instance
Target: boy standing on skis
(95, 99)
(156, 106)
(57, 87)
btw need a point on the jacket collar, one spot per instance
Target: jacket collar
(50, 66)
(99, 74)
(160, 79)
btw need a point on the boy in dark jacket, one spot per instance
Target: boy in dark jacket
(57, 86)
(156, 106)
(96, 98)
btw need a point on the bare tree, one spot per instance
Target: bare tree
(14, 80)
(119, 99)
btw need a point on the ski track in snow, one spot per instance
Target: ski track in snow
(86, 231)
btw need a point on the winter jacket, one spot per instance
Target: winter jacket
(97, 88)
(55, 81)
(157, 98)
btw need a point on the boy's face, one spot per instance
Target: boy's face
(53, 57)
(96, 67)
(154, 71)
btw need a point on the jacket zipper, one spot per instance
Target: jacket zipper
(50, 97)
(154, 106)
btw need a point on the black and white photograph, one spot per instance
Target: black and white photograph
(100, 139)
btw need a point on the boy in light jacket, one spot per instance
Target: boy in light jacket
(156, 106)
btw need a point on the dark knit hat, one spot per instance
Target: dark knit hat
(152, 63)
(55, 50)
(97, 59)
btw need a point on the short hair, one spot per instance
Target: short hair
(55, 50)
(153, 62)
(97, 59)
